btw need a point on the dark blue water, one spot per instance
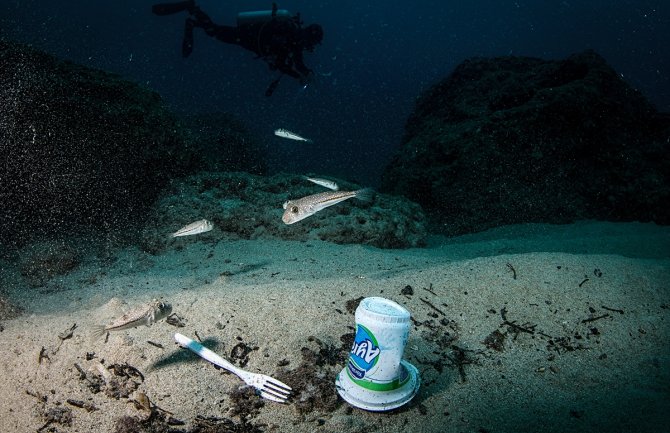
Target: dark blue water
(375, 59)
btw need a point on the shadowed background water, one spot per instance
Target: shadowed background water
(376, 58)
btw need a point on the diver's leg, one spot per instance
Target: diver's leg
(203, 21)
(173, 8)
(226, 34)
(187, 43)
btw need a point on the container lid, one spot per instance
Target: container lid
(379, 401)
(382, 310)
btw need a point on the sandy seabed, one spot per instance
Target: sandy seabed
(523, 328)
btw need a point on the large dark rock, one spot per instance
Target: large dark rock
(514, 139)
(80, 146)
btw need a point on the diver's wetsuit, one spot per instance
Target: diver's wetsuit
(277, 40)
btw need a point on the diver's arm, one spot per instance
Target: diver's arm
(284, 64)
(288, 70)
(299, 64)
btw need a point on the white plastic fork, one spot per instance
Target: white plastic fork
(269, 388)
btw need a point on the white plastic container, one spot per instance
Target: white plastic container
(376, 378)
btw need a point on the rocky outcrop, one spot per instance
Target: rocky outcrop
(245, 206)
(80, 146)
(515, 139)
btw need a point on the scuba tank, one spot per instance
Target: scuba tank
(256, 17)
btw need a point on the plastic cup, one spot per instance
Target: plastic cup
(376, 378)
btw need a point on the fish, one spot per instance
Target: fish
(194, 228)
(146, 315)
(296, 210)
(323, 182)
(284, 133)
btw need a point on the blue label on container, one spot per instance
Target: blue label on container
(364, 354)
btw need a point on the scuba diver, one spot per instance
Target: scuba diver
(275, 36)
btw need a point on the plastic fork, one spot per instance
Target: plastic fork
(269, 388)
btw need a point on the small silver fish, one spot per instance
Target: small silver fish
(324, 183)
(296, 210)
(144, 315)
(284, 133)
(194, 228)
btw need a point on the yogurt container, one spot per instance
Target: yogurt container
(376, 378)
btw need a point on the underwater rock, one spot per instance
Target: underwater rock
(514, 139)
(83, 147)
(245, 206)
(42, 261)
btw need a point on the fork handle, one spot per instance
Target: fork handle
(204, 352)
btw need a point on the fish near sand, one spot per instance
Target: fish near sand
(200, 226)
(146, 315)
(284, 133)
(296, 210)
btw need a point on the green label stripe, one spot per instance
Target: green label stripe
(375, 386)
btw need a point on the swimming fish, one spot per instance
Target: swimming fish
(195, 228)
(296, 210)
(324, 182)
(284, 133)
(143, 315)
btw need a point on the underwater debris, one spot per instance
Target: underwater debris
(593, 319)
(515, 329)
(90, 407)
(460, 357)
(430, 289)
(407, 290)
(157, 422)
(93, 381)
(563, 344)
(51, 415)
(117, 380)
(141, 401)
(329, 354)
(67, 333)
(56, 415)
(222, 425)
(43, 355)
(240, 353)
(160, 346)
(352, 304)
(511, 268)
(615, 310)
(312, 380)
(246, 404)
(495, 340)
(427, 302)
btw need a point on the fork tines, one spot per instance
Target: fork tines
(276, 391)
